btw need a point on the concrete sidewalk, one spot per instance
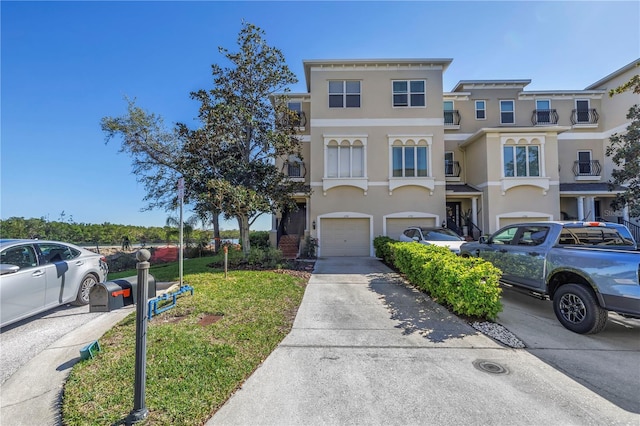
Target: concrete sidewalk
(365, 349)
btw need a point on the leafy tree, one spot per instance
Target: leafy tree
(229, 162)
(245, 128)
(154, 150)
(624, 150)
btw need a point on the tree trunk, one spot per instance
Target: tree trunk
(243, 224)
(216, 230)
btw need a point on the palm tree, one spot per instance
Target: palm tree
(187, 227)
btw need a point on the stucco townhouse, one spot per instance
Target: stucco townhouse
(385, 147)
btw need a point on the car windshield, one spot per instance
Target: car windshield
(441, 234)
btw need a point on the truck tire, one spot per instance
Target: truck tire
(578, 310)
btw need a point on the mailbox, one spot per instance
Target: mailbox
(109, 296)
(112, 295)
(151, 293)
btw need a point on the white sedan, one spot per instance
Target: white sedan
(39, 275)
(437, 236)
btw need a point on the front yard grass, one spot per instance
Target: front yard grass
(198, 353)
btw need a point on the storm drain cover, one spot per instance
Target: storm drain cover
(490, 367)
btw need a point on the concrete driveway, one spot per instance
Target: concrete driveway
(365, 349)
(607, 363)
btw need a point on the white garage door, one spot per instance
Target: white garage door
(395, 227)
(344, 237)
(504, 221)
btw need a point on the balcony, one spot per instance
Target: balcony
(451, 118)
(584, 117)
(294, 118)
(296, 170)
(544, 117)
(452, 169)
(587, 170)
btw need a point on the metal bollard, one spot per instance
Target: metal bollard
(140, 411)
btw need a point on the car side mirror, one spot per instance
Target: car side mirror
(484, 240)
(6, 268)
(416, 239)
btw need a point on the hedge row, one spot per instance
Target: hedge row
(469, 286)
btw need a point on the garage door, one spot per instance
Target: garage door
(344, 237)
(395, 227)
(504, 221)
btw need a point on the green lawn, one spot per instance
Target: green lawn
(191, 368)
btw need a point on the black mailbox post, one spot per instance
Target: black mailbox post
(116, 294)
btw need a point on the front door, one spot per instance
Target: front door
(454, 217)
(296, 221)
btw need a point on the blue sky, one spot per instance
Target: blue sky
(65, 65)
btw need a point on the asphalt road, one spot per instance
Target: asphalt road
(21, 341)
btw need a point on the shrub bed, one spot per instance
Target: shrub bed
(468, 286)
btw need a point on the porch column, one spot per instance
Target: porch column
(474, 211)
(308, 215)
(274, 225)
(625, 213)
(591, 205)
(580, 201)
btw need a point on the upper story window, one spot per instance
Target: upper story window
(521, 161)
(584, 163)
(410, 159)
(543, 111)
(448, 163)
(344, 159)
(447, 106)
(297, 108)
(409, 93)
(481, 110)
(344, 94)
(582, 111)
(507, 112)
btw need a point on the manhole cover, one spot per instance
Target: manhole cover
(490, 367)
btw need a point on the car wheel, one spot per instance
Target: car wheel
(85, 287)
(578, 310)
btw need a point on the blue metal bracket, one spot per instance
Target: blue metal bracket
(153, 303)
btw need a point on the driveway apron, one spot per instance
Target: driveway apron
(366, 348)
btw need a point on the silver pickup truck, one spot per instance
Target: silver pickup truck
(585, 268)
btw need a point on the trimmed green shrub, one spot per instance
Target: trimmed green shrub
(259, 239)
(383, 249)
(469, 286)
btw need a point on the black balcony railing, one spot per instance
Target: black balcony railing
(544, 116)
(584, 116)
(295, 169)
(635, 229)
(452, 168)
(451, 117)
(587, 168)
(300, 119)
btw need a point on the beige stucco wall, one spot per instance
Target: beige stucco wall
(568, 155)
(377, 203)
(526, 202)
(615, 108)
(376, 93)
